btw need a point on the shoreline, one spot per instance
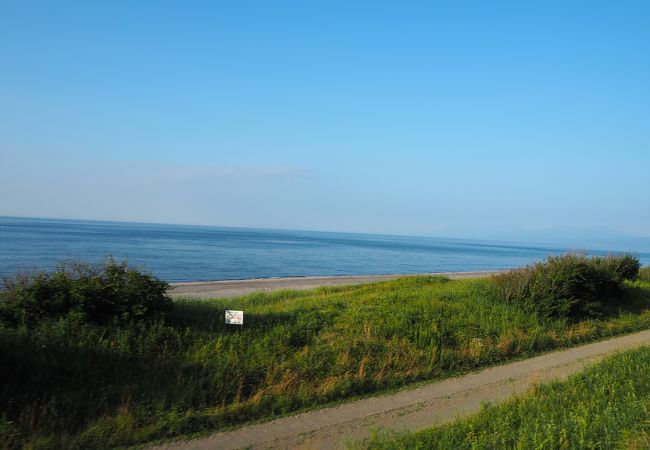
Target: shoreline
(232, 288)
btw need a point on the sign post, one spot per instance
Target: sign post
(234, 317)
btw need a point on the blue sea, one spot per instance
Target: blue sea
(199, 253)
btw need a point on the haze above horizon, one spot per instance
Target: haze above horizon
(328, 116)
(576, 238)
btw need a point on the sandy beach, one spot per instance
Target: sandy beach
(231, 288)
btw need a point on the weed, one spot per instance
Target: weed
(606, 406)
(67, 383)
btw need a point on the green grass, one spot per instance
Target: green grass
(607, 406)
(65, 384)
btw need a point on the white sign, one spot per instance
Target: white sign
(234, 317)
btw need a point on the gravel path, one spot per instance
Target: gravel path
(412, 409)
(231, 288)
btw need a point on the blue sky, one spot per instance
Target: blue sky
(400, 117)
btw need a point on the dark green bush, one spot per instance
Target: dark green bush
(572, 285)
(93, 293)
(622, 267)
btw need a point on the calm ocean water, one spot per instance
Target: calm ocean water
(196, 253)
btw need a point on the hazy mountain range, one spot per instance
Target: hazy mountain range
(597, 237)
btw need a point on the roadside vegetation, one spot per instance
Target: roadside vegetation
(144, 369)
(644, 274)
(607, 406)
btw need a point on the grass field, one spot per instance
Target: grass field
(67, 384)
(607, 407)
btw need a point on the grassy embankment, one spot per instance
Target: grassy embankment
(607, 406)
(72, 384)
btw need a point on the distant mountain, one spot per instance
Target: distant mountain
(596, 237)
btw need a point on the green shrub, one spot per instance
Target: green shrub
(622, 267)
(644, 274)
(570, 286)
(94, 293)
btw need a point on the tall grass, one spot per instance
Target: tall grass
(644, 273)
(607, 406)
(69, 384)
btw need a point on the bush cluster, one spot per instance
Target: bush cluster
(572, 285)
(101, 293)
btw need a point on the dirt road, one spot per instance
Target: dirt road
(231, 288)
(412, 409)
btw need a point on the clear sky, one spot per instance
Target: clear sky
(393, 117)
